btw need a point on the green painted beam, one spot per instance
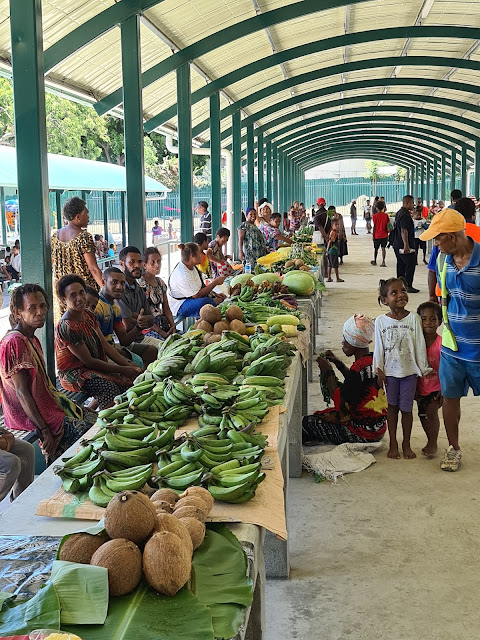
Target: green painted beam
(218, 39)
(250, 167)
(275, 170)
(105, 214)
(281, 182)
(268, 181)
(185, 163)
(399, 149)
(252, 98)
(260, 166)
(58, 207)
(463, 181)
(453, 169)
(215, 162)
(123, 213)
(31, 144)
(352, 86)
(237, 177)
(443, 178)
(366, 153)
(427, 182)
(313, 48)
(435, 179)
(477, 171)
(93, 29)
(133, 130)
(3, 215)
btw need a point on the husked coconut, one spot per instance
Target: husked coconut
(204, 326)
(194, 501)
(238, 326)
(167, 563)
(210, 314)
(189, 512)
(166, 522)
(199, 491)
(162, 505)
(222, 325)
(233, 313)
(80, 547)
(130, 515)
(169, 495)
(196, 529)
(123, 560)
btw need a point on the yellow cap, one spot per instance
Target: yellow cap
(446, 221)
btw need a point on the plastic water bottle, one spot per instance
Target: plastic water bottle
(247, 268)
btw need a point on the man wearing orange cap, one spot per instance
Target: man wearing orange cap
(458, 272)
(321, 220)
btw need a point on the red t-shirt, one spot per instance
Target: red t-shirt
(381, 221)
(425, 211)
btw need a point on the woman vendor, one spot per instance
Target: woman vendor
(29, 400)
(360, 406)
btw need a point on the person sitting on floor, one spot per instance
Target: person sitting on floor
(30, 401)
(360, 406)
(85, 361)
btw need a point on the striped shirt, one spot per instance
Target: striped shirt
(463, 288)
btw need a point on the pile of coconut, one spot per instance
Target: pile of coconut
(155, 537)
(212, 322)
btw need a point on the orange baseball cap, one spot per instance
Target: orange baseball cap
(446, 221)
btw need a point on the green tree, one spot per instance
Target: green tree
(400, 176)
(373, 173)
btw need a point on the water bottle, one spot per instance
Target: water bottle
(247, 268)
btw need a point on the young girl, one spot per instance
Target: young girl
(218, 260)
(333, 251)
(429, 397)
(156, 292)
(400, 357)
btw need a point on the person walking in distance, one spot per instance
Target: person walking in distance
(458, 274)
(404, 243)
(367, 215)
(353, 218)
(381, 222)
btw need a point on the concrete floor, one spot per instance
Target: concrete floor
(393, 551)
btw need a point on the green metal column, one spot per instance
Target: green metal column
(260, 166)
(422, 181)
(477, 170)
(427, 183)
(215, 162)
(185, 163)
(105, 214)
(443, 177)
(407, 181)
(133, 128)
(275, 170)
(453, 180)
(124, 218)
(268, 181)
(58, 207)
(237, 177)
(281, 182)
(31, 145)
(417, 170)
(463, 183)
(250, 167)
(3, 215)
(435, 179)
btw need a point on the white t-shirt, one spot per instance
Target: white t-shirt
(183, 283)
(16, 263)
(419, 226)
(400, 349)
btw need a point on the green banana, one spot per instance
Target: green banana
(231, 464)
(78, 458)
(98, 495)
(235, 480)
(134, 432)
(242, 469)
(227, 494)
(188, 467)
(185, 481)
(190, 453)
(70, 485)
(128, 458)
(127, 483)
(86, 468)
(263, 381)
(170, 468)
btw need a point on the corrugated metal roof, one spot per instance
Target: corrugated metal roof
(74, 174)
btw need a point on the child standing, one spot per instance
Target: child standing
(429, 397)
(400, 357)
(333, 251)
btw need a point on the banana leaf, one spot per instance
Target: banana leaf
(82, 590)
(40, 612)
(146, 615)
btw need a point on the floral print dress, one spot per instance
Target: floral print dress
(253, 244)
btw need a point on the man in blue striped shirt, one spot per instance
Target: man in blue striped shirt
(459, 369)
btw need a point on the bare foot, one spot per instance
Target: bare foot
(383, 264)
(329, 280)
(373, 263)
(340, 280)
(429, 450)
(393, 452)
(408, 454)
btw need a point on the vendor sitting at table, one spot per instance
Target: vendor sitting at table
(29, 400)
(360, 406)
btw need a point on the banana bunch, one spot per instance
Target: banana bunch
(106, 485)
(77, 472)
(247, 293)
(268, 365)
(236, 483)
(264, 347)
(178, 394)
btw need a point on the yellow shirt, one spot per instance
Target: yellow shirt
(204, 266)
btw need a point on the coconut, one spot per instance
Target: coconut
(210, 338)
(167, 563)
(162, 505)
(210, 313)
(238, 326)
(223, 325)
(194, 501)
(199, 491)
(131, 515)
(233, 313)
(166, 522)
(80, 547)
(196, 529)
(204, 326)
(123, 560)
(189, 512)
(169, 495)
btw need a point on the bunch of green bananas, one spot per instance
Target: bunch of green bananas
(246, 294)
(268, 365)
(106, 485)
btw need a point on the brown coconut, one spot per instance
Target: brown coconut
(161, 505)
(166, 522)
(80, 547)
(233, 313)
(196, 529)
(167, 563)
(203, 325)
(123, 560)
(189, 512)
(194, 501)
(210, 314)
(169, 495)
(130, 515)
(238, 326)
(222, 325)
(200, 491)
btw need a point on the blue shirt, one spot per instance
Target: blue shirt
(464, 306)
(432, 263)
(111, 253)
